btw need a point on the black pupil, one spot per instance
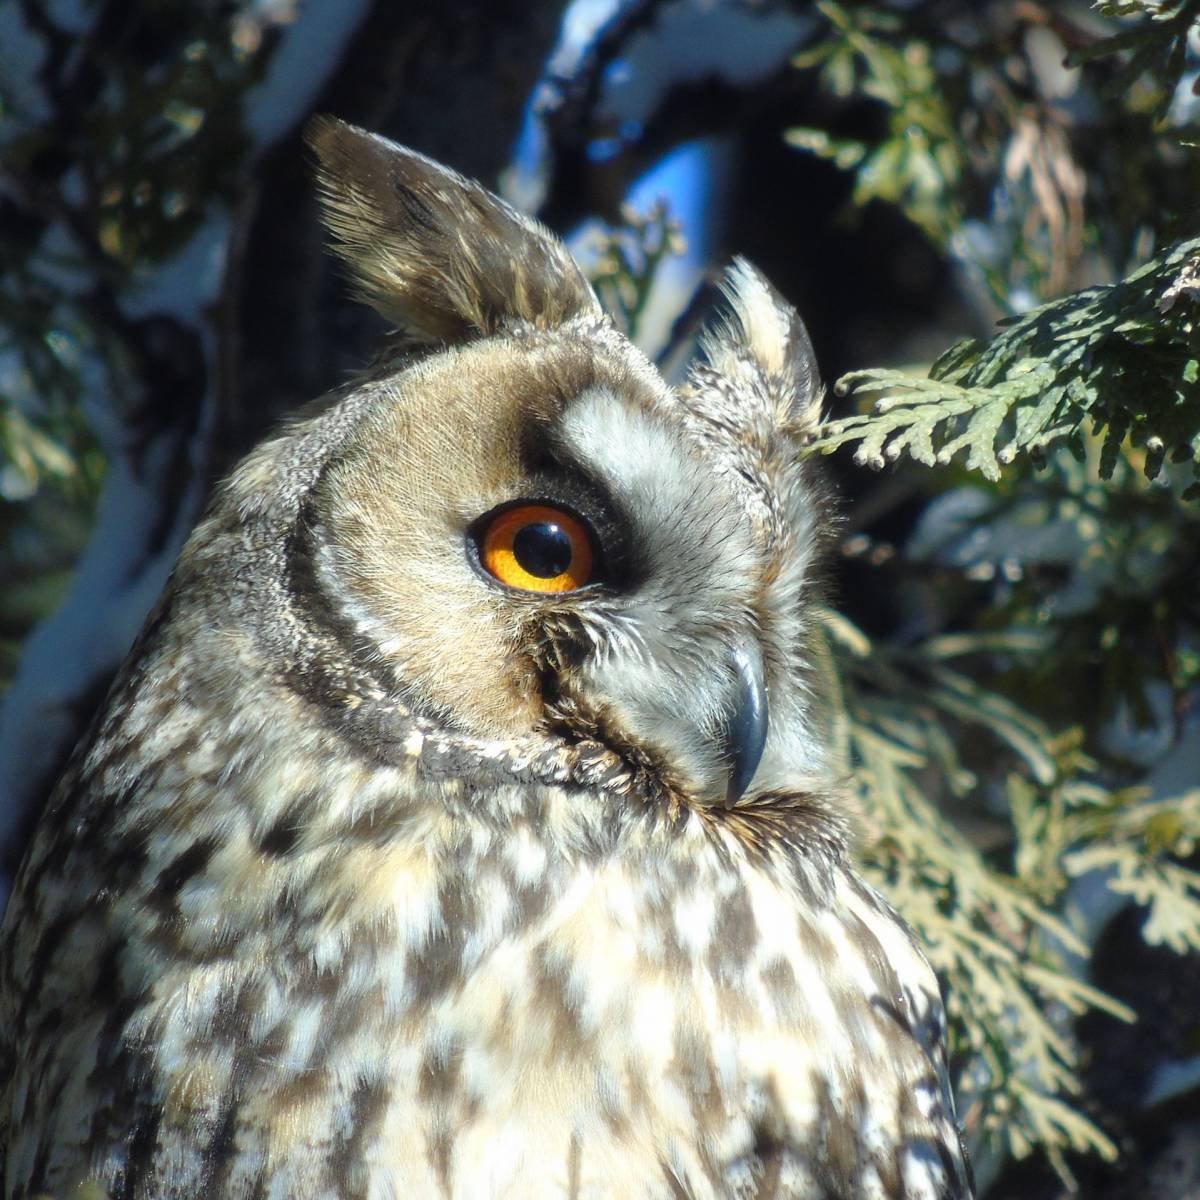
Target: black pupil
(543, 549)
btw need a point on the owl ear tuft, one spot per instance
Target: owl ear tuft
(764, 335)
(433, 251)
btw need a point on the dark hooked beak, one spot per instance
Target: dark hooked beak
(746, 730)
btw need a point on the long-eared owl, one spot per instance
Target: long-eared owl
(460, 824)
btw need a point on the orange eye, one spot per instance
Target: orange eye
(537, 548)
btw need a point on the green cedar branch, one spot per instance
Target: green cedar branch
(1123, 358)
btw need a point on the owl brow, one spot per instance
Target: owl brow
(561, 479)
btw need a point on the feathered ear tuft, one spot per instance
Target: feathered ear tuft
(432, 251)
(763, 338)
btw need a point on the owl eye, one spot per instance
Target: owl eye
(537, 548)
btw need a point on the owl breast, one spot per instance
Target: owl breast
(479, 1015)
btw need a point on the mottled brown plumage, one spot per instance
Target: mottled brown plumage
(381, 878)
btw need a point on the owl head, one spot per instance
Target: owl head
(512, 527)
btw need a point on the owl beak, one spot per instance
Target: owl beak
(746, 730)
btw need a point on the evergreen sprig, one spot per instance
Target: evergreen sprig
(1124, 357)
(1153, 50)
(999, 935)
(919, 163)
(628, 257)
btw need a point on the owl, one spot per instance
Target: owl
(461, 824)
